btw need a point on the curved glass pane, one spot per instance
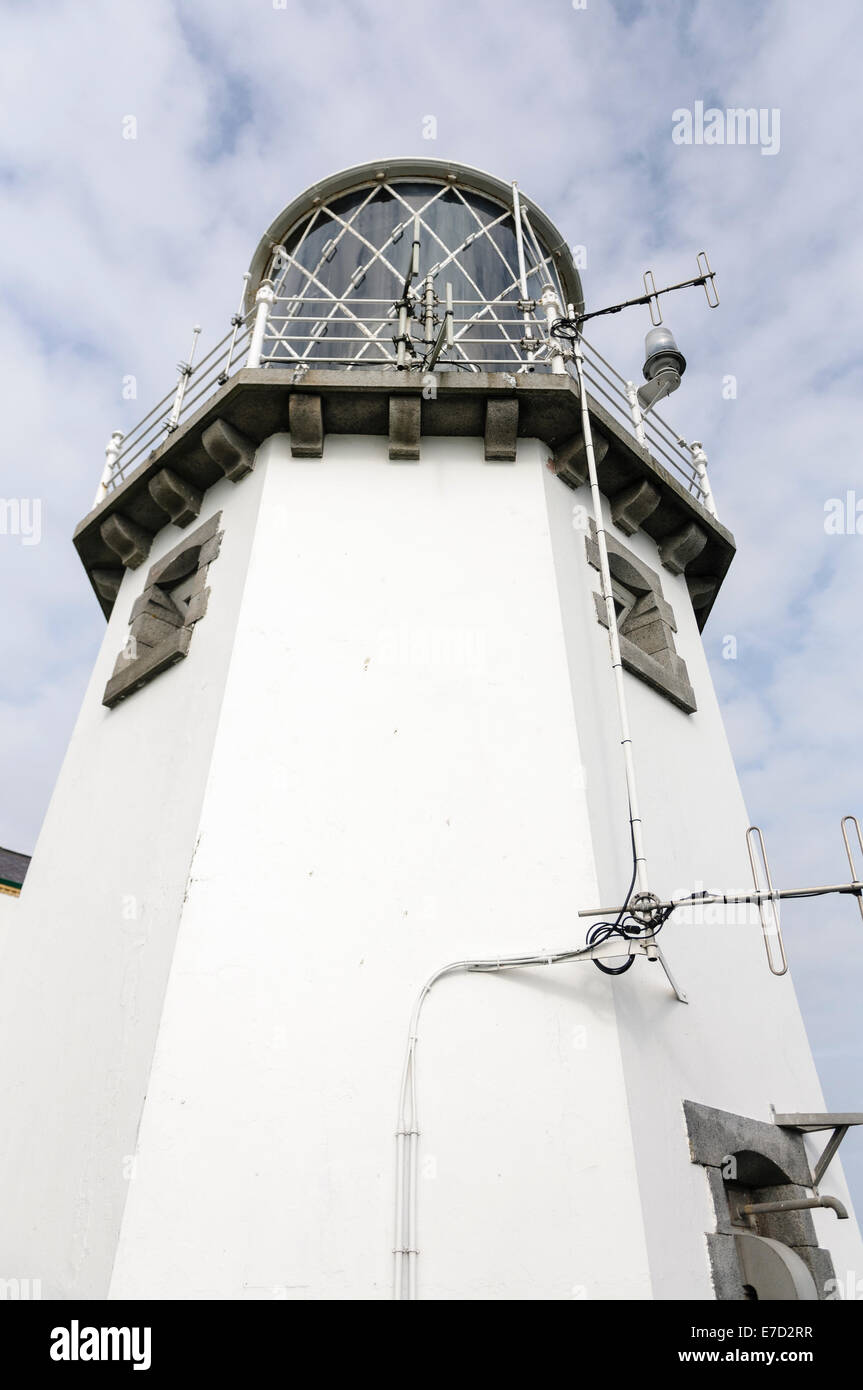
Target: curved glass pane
(340, 277)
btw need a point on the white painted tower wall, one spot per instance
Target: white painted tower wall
(393, 744)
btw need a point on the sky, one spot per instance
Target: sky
(114, 247)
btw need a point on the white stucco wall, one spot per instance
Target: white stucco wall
(396, 783)
(393, 744)
(85, 963)
(740, 1043)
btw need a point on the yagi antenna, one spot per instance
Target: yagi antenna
(767, 910)
(846, 821)
(651, 913)
(705, 277)
(563, 328)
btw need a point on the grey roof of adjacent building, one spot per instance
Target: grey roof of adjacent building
(13, 867)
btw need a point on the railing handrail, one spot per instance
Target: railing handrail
(289, 339)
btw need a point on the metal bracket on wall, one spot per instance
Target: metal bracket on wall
(615, 946)
(660, 956)
(812, 1124)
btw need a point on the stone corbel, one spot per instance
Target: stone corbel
(634, 504)
(701, 588)
(127, 539)
(232, 451)
(680, 549)
(570, 458)
(306, 424)
(107, 583)
(174, 495)
(501, 430)
(405, 415)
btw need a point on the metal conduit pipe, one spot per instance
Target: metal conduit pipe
(613, 632)
(796, 1204)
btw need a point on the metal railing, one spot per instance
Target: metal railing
(687, 462)
(196, 382)
(282, 332)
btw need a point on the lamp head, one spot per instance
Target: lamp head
(664, 365)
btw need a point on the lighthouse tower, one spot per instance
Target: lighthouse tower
(352, 748)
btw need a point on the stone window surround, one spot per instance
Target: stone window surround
(161, 628)
(771, 1165)
(646, 631)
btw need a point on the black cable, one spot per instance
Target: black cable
(603, 930)
(570, 329)
(626, 925)
(629, 928)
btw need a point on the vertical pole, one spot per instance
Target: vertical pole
(413, 271)
(428, 313)
(112, 453)
(401, 346)
(185, 369)
(522, 272)
(635, 412)
(235, 322)
(551, 306)
(415, 249)
(613, 634)
(699, 459)
(264, 300)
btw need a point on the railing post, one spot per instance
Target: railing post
(551, 306)
(522, 273)
(185, 369)
(635, 412)
(112, 453)
(236, 323)
(264, 300)
(699, 460)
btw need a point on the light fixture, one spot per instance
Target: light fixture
(664, 365)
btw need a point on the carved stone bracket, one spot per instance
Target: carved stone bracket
(501, 430)
(306, 423)
(405, 428)
(127, 539)
(231, 450)
(632, 505)
(570, 459)
(681, 548)
(175, 496)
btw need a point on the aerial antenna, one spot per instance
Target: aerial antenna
(566, 328)
(403, 341)
(767, 909)
(445, 337)
(652, 913)
(846, 821)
